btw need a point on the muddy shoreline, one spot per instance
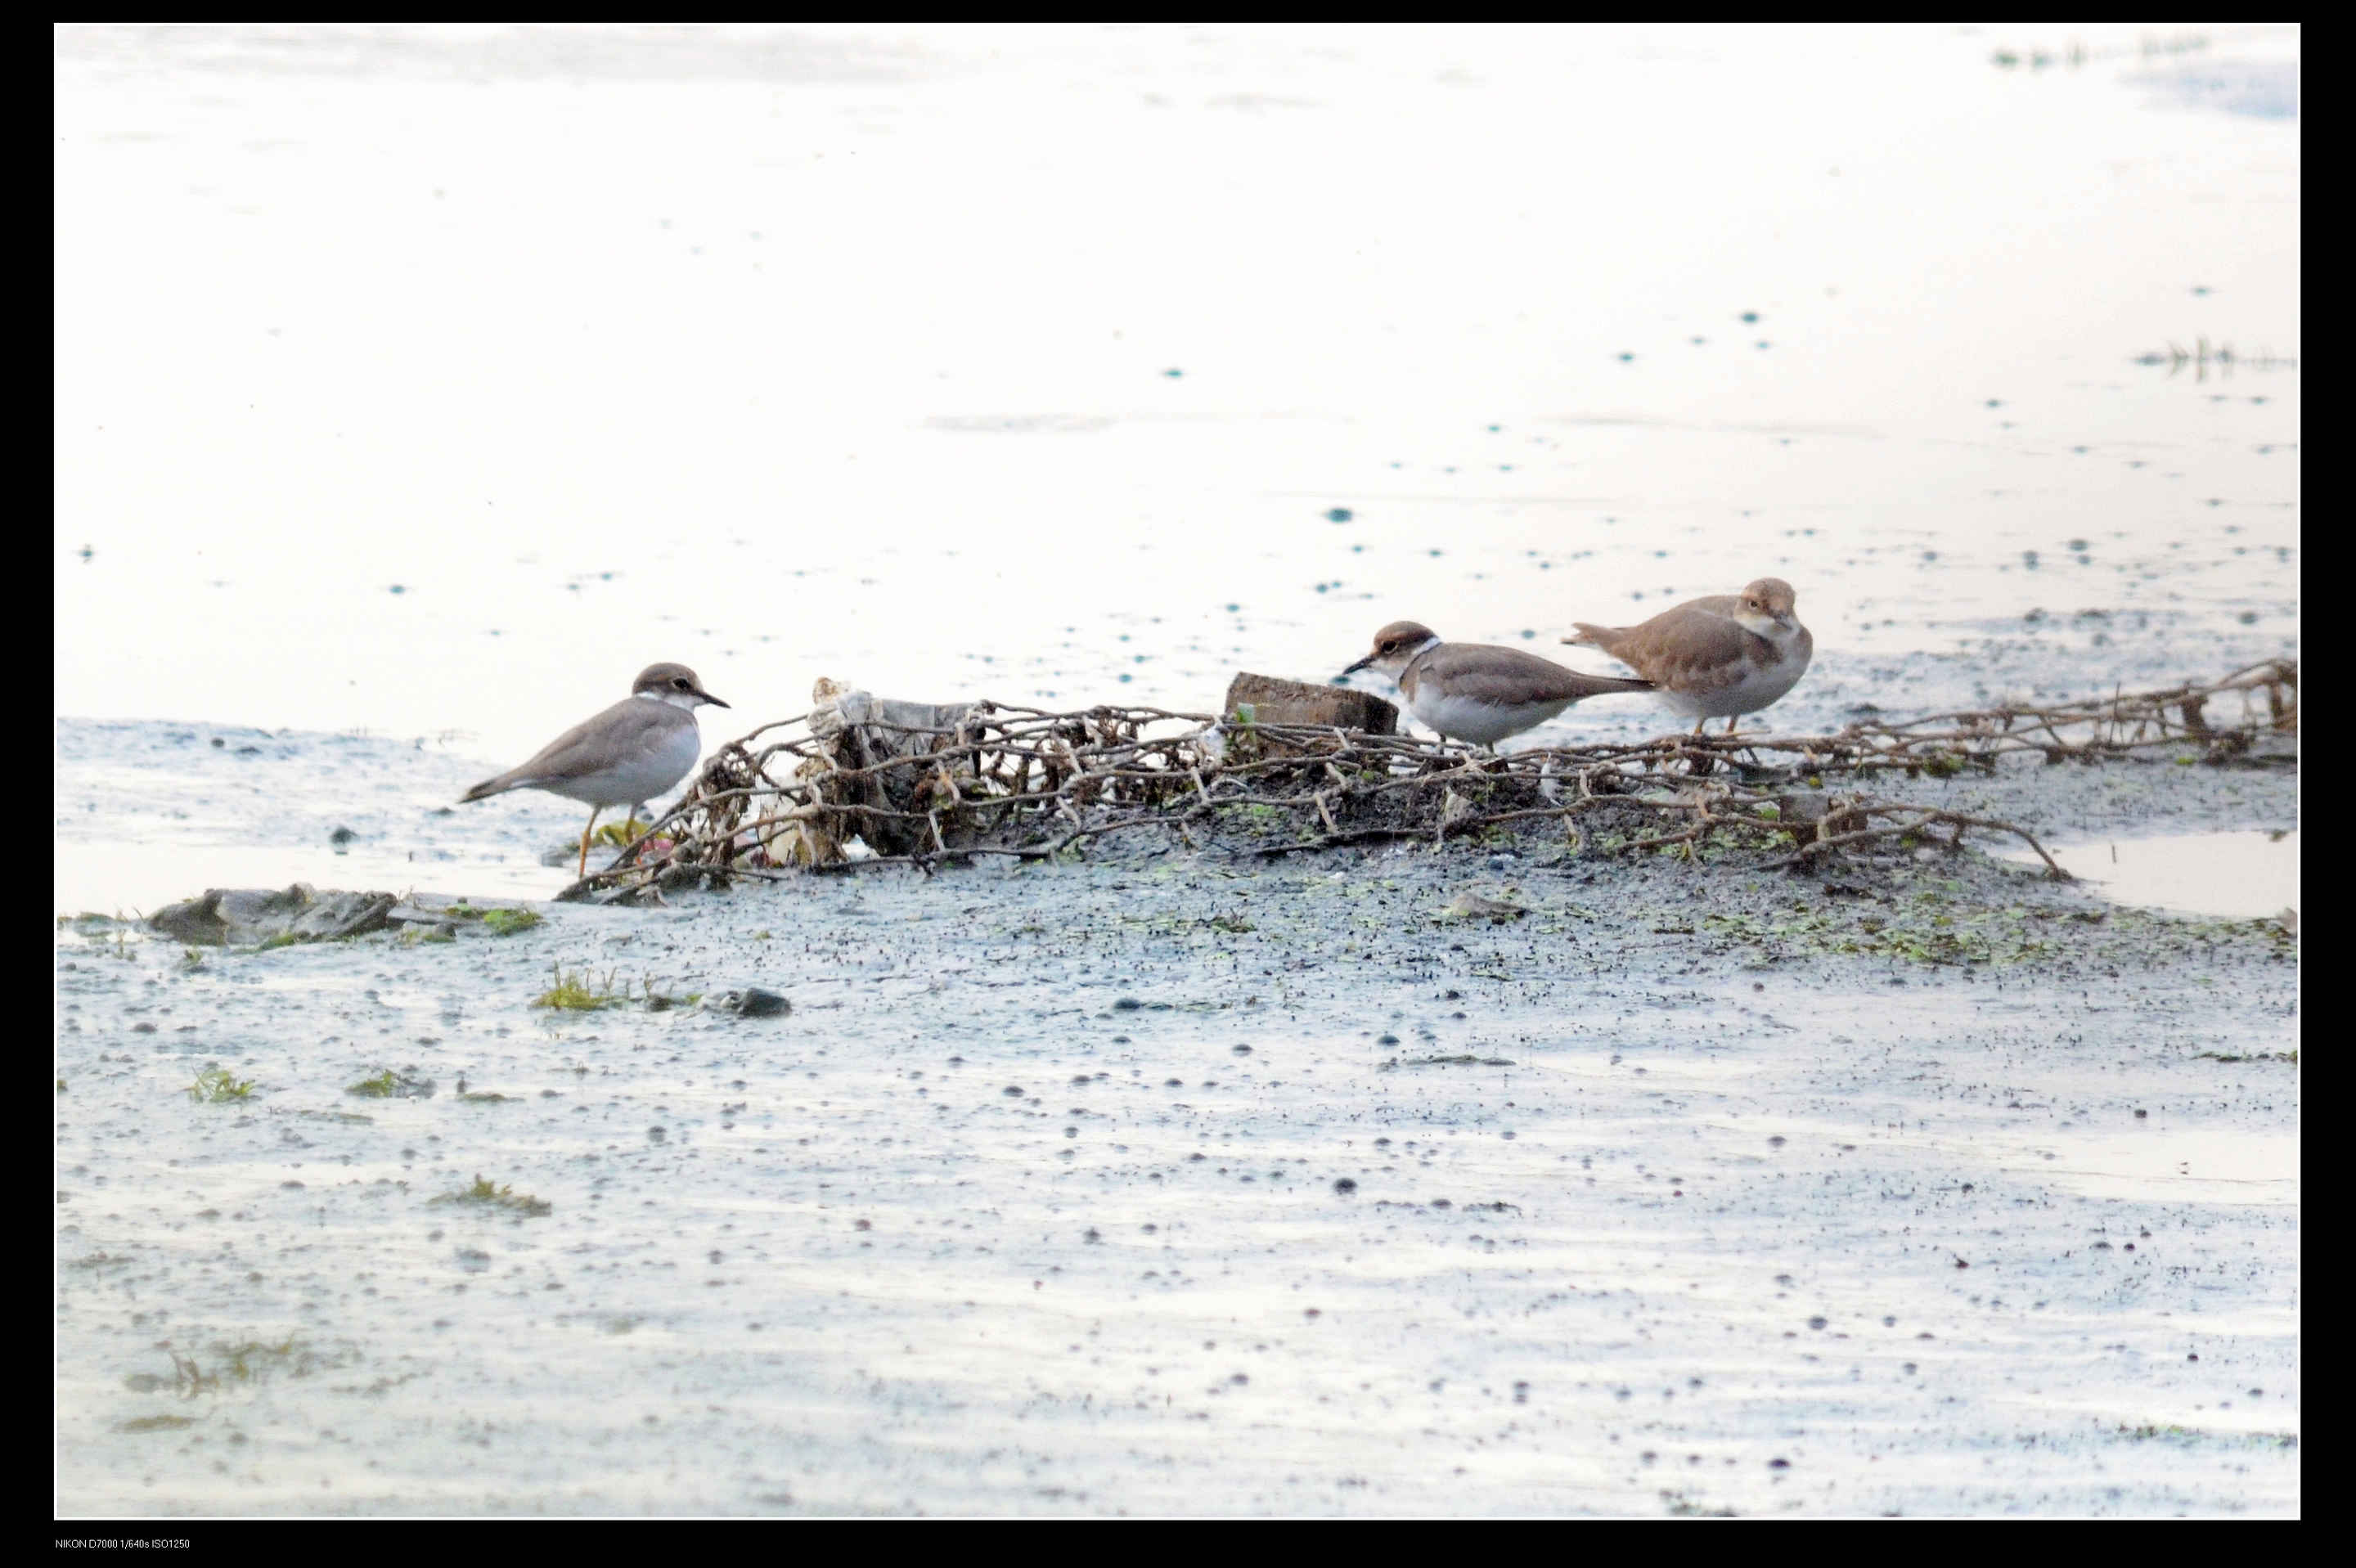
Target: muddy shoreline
(1183, 1180)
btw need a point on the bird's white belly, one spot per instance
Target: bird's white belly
(1760, 686)
(641, 777)
(1482, 723)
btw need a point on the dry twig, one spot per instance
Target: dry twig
(1030, 784)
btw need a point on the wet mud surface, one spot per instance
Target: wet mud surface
(1190, 1181)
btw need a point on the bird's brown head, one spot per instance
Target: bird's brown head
(1394, 645)
(1770, 596)
(675, 684)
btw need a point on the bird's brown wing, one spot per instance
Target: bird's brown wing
(627, 722)
(1698, 645)
(1481, 673)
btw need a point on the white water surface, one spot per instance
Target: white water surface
(433, 381)
(2240, 876)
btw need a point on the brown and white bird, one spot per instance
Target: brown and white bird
(627, 755)
(1478, 691)
(1717, 657)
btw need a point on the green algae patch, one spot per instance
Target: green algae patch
(227, 1364)
(496, 919)
(156, 1424)
(218, 1085)
(1926, 934)
(571, 994)
(110, 934)
(484, 1194)
(390, 1086)
(2194, 1436)
(254, 1360)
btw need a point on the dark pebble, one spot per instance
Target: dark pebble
(753, 1002)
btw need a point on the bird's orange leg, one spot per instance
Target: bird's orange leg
(584, 870)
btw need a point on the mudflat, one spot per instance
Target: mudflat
(1183, 1180)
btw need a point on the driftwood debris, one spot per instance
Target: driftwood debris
(1254, 700)
(861, 781)
(244, 917)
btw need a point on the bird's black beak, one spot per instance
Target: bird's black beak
(1362, 664)
(711, 699)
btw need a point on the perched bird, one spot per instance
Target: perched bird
(1475, 691)
(1718, 657)
(627, 755)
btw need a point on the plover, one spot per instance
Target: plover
(1717, 657)
(1476, 691)
(627, 755)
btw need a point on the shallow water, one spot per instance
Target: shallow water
(488, 367)
(2240, 875)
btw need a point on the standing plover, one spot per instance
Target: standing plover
(1718, 657)
(628, 754)
(1476, 691)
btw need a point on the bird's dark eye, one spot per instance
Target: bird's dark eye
(679, 683)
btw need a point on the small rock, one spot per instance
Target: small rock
(1469, 905)
(244, 916)
(753, 1002)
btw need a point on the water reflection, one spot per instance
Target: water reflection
(2240, 876)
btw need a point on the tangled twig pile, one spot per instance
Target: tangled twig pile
(862, 782)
